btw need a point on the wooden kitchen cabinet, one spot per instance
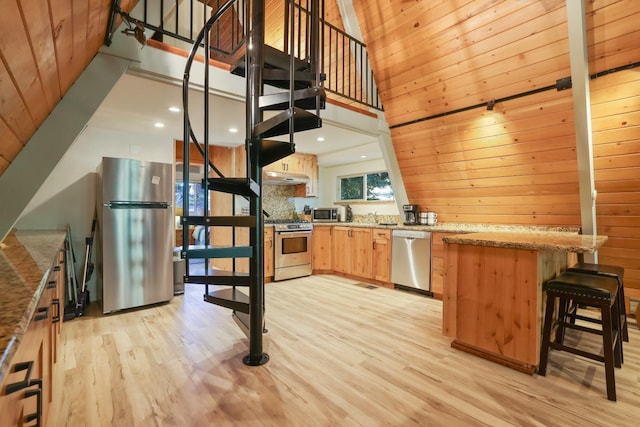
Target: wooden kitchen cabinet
(353, 251)
(437, 263)
(293, 163)
(27, 389)
(382, 255)
(322, 249)
(362, 252)
(341, 249)
(299, 163)
(268, 253)
(309, 164)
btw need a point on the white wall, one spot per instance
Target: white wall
(329, 187)
(68, 195)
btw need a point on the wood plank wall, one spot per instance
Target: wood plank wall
(44, 47)
(515, 164)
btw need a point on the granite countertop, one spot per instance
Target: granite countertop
(25, 259)
(452, 227)
(546, 241)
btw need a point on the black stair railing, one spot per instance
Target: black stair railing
(346, 62)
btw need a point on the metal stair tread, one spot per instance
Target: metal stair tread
(221, 220)
(220, 277)
(230, 298)
(303, 98)
(273, 58)
(240, 186)
(211, 251)
(271, 151)
(279, 124)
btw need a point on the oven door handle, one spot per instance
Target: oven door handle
(294, 233)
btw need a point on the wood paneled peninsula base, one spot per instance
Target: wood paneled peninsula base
(493, 302)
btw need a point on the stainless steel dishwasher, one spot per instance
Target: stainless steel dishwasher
(411, 260)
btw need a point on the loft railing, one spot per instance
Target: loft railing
(345, 60)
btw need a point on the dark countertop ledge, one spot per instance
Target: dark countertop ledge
(25, 260)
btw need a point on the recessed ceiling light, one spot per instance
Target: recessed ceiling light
(233, 130)
(320, 138)
(174, 109)
(363, 156)
(159, 125)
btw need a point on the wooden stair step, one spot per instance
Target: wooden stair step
(230, 298)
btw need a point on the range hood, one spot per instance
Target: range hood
(284, 178)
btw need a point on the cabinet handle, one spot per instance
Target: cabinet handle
(52, 284)
(57, 267)
(56, 303)
(44, 314)
(38, 394)
(18, 367)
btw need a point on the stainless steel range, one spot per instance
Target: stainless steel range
(292, 256)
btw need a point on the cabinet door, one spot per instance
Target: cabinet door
(311, 169)
(322, 248)
(362, 252)
(34, 348)
(268, 252)
(382, 255)
(342, 249)
(437, 264)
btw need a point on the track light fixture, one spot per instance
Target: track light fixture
(134, 28)
(491, 104)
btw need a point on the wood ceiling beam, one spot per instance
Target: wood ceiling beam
(579, 60)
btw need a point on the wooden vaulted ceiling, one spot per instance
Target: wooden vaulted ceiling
(44, 46)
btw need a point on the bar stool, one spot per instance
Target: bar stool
(588, 290)
(618, 274)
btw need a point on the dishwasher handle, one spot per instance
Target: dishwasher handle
(412, 234)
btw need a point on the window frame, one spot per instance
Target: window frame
(364, 176)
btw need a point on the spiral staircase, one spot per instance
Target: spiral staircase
(300, 89)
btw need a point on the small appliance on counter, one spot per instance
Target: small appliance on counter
(428, 218)
(348, 216)
(422, 218)
(325, 215)
(410, 214)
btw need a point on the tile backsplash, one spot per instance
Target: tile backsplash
(278, 201)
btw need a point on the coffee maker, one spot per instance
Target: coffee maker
(410, 214)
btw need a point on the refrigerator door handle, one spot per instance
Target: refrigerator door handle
(136, 205)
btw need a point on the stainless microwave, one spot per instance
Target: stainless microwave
(325, 215)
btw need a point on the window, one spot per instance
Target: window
(196, 197)
(370, 187)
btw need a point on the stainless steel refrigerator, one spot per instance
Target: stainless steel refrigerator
(135, 233)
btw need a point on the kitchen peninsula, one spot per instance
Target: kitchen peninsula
(492, 305)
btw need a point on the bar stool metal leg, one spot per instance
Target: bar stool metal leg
(609, 358)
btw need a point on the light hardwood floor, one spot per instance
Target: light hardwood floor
(341, 355)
